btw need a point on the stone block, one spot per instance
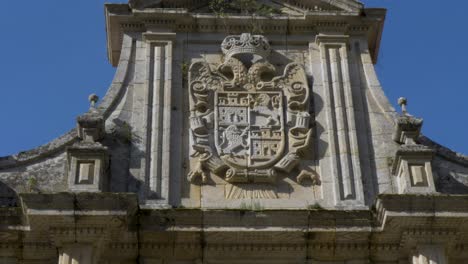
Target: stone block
(415, 176)
(87, 169)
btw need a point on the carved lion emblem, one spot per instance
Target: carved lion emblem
(246, 126)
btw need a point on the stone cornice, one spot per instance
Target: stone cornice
(394, 225)
(120, 19)
(394, 206)
(113, 204)
(309, 5)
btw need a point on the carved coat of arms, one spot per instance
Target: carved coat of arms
(246, 123)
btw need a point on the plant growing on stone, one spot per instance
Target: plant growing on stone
(184, 68)
(122, 131)
(247, 7)
(315, 207)
(127, 132)
(32, 184)
(242, 7)
(256, 206)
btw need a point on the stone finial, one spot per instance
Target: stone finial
(91, 124)
(93, 99)
(413, 162)
(408, 126)
(88, 159)
(403, 102)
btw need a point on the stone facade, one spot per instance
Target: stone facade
(239, 137)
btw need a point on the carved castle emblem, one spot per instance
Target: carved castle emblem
(246, 124)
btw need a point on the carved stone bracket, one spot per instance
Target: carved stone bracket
(246, 124)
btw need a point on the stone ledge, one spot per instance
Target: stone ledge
(420, 206)
(322, 233)
(119, 20)
(79, 203)
(112, 204)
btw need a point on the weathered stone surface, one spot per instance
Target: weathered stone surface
(239, 129)
(327, 193)
(113, 225)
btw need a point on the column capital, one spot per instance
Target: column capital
(159, 36)
(332, 39)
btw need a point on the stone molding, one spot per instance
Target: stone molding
(392, 230)
(120, 19)
(160, 53)
(413, 237)
(303, 5)
(345, 152)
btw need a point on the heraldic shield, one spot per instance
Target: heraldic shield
(247, 125)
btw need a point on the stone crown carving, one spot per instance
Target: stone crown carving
(246, 44)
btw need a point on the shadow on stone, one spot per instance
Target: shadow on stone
(8, 196)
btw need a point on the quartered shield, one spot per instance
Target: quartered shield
(249, 128)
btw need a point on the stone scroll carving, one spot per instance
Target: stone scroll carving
(246, 124)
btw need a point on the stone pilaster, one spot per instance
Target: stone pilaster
(341, 121)
(160, 58)
(429, 254)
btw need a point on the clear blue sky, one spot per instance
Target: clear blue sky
(53, 55)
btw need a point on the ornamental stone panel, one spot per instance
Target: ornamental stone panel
(247, 124)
